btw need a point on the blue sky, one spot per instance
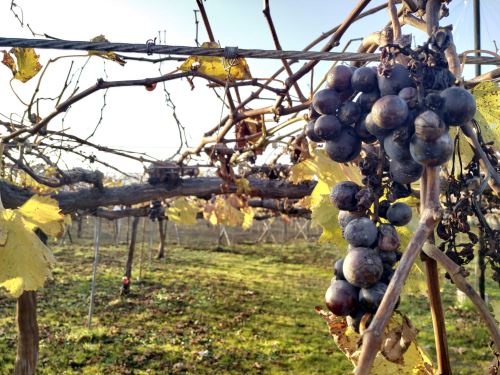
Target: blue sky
(139, 120)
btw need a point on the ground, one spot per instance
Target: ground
(240, 309)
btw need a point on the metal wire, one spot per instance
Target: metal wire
(201, 51)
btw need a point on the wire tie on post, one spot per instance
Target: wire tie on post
(149, 44)
(230, 53)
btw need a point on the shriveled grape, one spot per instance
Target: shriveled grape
(388, 238)
(343, 195)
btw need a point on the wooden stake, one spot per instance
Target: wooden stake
(97, 239)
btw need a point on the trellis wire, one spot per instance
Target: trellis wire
(201, 51)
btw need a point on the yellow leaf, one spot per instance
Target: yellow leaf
(182, 211)
(243, 186)
(400, 352)
(249, 213)
(24, 260)
(27, 63)
(43, 212)
(487, 96)
(105, 55)
(215, 67)
(327, 173)
(225, 210)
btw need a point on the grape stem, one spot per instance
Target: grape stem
(372, 337)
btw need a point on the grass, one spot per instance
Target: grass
(240, 310)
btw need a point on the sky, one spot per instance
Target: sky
(139, 120)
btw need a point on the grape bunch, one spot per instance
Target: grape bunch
(386, 105)
(156, 211)
(361, 277)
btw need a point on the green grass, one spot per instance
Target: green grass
(240, 310)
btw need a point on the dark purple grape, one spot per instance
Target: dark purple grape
(339, 78)
(345, 147)
(388, 238)
(399, 214)
(346, 95)
(310, 132)
(429, 126)
(410, 96)
(397, 79)
(337, 269)
(327, 127)
(349, 113)
(362, 131)
(359, 320)
(326, 102)
(367, 99)
(434, 102)
(361, 232)
(343, 196)
(374, 129)
(312, 114)
(370, 298)
(364, 79)
(395, 149)
(398, 191)
(432, 153)
(459, 105)
(345, 217)
(390, 257)
(389, 112)
(383, 206)
(387, 274)
(362, 267)
(341, 298)
(405, 172)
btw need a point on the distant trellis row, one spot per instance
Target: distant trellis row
(227, 52)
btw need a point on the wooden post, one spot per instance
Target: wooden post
(127, 278)
(161, 246)
(97, 239)
(142, 247)
(150, 233)
(27, 344)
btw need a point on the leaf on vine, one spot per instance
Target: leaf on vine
(105, 55)
(487, 96)
(243, 186)
(44, 213)
(215, 67)
(225, 210)
(27, 63)
(248, 213)
(400, 352)
(182, 211)
(24, 260)
(327, 173)
(249, 131)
